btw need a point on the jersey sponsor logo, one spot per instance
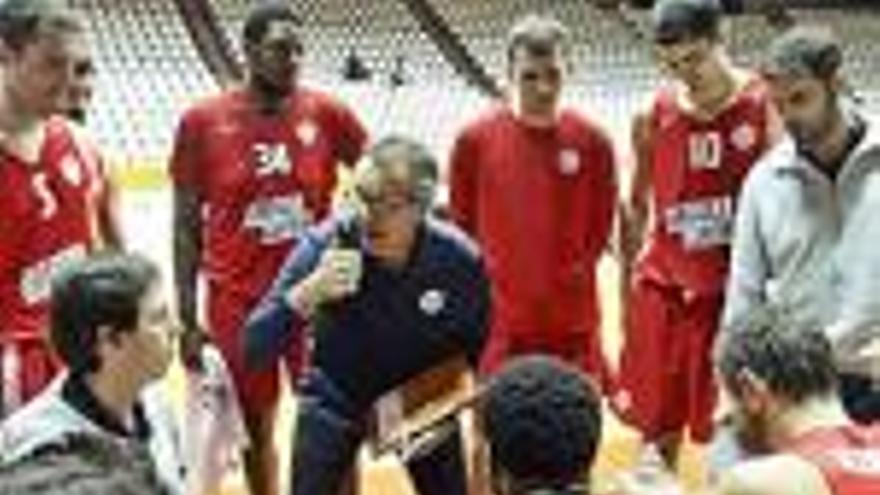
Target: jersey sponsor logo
(863, 462)
(271, 159)
(277, 219)
(704, 150)
(432, 302)
(569, 162)
(307, 132)
(744, 137)
(36, 279)
(703, 223)
(71, 170)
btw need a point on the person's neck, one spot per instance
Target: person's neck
(114, 393)
(533, 119)
(267, 100)
(800, 419)
(829, 151)
(715, 94)
(15, 120)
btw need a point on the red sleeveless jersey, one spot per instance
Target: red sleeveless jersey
(847, 456)
(46, 221)
(697, 168)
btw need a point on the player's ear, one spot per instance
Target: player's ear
(753, 390)
(835, 83)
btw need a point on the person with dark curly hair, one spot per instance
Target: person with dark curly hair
(542, 421)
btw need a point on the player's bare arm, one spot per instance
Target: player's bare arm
(187, 249)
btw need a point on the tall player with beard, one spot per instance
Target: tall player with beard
(251, 168)
(693, 149)
(54, 197)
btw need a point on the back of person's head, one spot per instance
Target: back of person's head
(794, 360)
(679, 21)
(23, 21)
(101, 293)
(543, 423)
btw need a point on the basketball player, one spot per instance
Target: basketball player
(779, 395)
(251, 168)
(693, 148)
(534, 184)
(53, 202)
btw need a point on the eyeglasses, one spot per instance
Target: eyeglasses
(384, 205)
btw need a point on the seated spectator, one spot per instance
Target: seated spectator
(99, 428)
(542, 422)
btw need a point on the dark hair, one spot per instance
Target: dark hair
(795, 360)
(543, 422)
(103, 290)
(676, 21)
(423, 170)
(21, 21)
(539, 35)
(804, 51)
(261, 15)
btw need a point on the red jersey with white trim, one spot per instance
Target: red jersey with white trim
(698, 168)
(540, 202)
(848, 457)
(47, 221)
(261, 179)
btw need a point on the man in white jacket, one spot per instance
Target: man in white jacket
(101, 421)
(808, 225)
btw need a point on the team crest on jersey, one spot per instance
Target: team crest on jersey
(569, 162)
(432, 302)
(71, 171)
(307, 132)
(744, 137)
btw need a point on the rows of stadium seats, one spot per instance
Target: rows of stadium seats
(147, 71)
(410, 88)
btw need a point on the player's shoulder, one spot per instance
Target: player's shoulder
(320, 102)
(450, 241)
(590, 128)
(78, 134)
(487, 119)
(761, 476)
(219, 103)
(319, 96)
(754, 87)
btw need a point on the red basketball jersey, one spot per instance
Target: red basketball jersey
(47, 221)
(848, 456)
(261, 179)
(698, 168)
